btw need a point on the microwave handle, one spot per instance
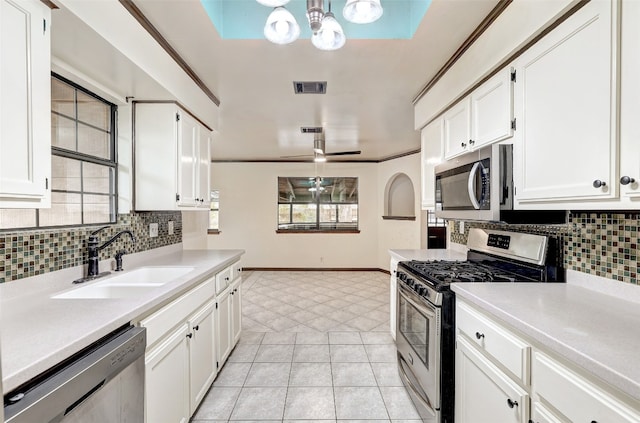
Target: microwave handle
(471, 185)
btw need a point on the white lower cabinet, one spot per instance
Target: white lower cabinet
(236, 311)
(541, 414)
(393, 296)
(202, 354)
(167, 379)
(483, 392)
(223, 326)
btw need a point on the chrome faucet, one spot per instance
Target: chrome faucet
(92, 244)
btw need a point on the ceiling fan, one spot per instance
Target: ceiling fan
(319, 151)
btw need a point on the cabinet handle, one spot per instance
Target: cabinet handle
(625, 180)
(227, 278)
(189, 335)
(511, 403)
(463, 144)
(479, 335)
(232, 292)
(598, 183)
(196, 327)
(471, 142)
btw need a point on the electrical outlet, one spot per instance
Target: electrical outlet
(461, 227)
(153, 230)
(170, 227)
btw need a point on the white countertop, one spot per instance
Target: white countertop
(596, 331)
(39, 332)
(425, 255)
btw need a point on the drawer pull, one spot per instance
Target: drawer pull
(189, 335)
(227, 278)
(479, 335)
(196, 327)
(511, 403)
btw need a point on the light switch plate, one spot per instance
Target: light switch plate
(462, 227)
(170, 227)
(153, 230)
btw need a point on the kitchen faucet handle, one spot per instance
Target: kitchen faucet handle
(118, 258)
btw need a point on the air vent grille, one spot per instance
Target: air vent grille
(310, 87)
(311, 129)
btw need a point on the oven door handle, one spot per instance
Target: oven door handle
(428, 312)
(471, 185)
(424, 401)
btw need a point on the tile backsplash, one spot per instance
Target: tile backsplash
(599, 243)
(27, 253)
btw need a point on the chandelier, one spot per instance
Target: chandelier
(282, 28)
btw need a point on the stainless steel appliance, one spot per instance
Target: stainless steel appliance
(102, 384)
(425, 337)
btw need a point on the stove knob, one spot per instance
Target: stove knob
(411, 282)
(422, 291)
(402, 276)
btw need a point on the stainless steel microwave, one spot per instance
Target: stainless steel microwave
(476, 185)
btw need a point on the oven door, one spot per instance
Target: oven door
(418, 341)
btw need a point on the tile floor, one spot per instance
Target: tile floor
(316, 348)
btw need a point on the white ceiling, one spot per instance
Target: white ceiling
(370, 83)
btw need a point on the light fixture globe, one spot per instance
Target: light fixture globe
(362, 11)
(330, 36)
(273, 3)
(281, 27)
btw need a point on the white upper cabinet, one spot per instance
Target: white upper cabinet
(25, 104)
(456, 124)
(492, 109)
(482, 118)
(172, 159)
(430, 156)
(565, 145)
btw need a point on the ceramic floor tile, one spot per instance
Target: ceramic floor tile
(398, 402)
(382, 353)
(311, 353)
(268, 374)
(348, 354)
(310, 403)
(312, 338)
(303, 316)
(322, 323)
(363, 323)
(281, 323)
(345, 338)
(218, 404)
(260, 403)
(310, 374)
(386, 374)
(279, 338)
(274, 354)
(352, 374)
(232, 374)
(377, 338)
(359, 403)
(250, 337)
(243, 353)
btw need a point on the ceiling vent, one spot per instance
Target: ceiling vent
(310, 87)
(311, 129)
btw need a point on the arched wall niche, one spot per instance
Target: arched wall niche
(399, 198)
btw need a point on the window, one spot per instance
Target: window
(317, 204)
(214, 212)
(83, 162)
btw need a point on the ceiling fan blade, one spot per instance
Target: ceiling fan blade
(343, 153)
(295, 157)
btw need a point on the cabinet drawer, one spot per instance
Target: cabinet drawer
(507, 349)
(223, 279)
(163, 320)
(575, 397)
(236, 270)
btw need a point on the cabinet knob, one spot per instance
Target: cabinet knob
(598, 183)
(479, 335)
(625, 180)
(189, 335)
(511, 403)
(196, 327)
(227, 278)
(463, 144)
(471, 142)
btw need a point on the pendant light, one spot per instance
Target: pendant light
(362, 11)
(281, 27)
(330, 36)
(273, 3)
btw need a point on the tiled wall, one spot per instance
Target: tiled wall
(600, 243)
(34, 252)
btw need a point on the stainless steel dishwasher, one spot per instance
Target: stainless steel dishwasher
(102, 384)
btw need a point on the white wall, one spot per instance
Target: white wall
(248, 216)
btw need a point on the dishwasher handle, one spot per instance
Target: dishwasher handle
(55, 397)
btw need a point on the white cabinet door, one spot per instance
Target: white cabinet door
(565, 104)
(202, 363)
(203, 198)
(431, 155)
(188, 142)
(236, 312)
(540, 414)
(167, 380)
(457, 128)
(25, 104)
(492, 110)
(393, 296)
(483, 392)
(223, 326)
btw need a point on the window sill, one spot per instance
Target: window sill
(317, 231)
(213, 232)
(398, 217)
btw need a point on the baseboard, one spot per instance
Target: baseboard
(316, 269)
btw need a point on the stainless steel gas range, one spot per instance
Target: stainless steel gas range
(425, 336)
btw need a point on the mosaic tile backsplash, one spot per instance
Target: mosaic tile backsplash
(599, 243)
(27, 253)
